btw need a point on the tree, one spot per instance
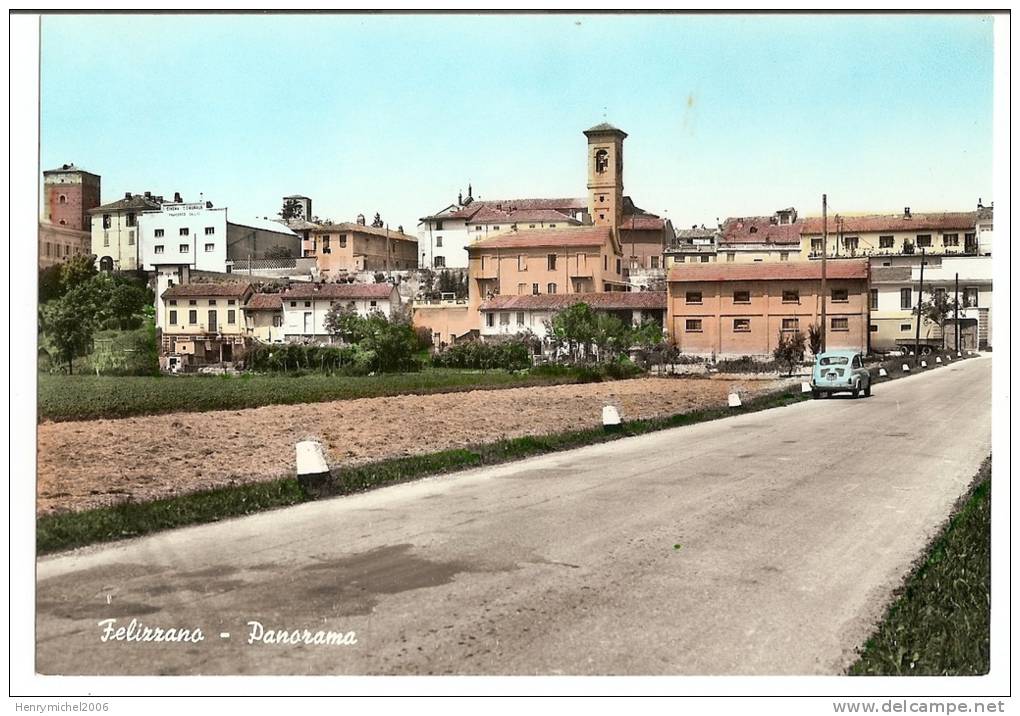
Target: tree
(938, 309)
(343, 322)
(815, 338)
(126, 301)
(68, 323)
(377, 222)
(50, 284)
(292, 209)
(279, 252)
(77, 270)
(790, 350)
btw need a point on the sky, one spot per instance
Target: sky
(727, 115)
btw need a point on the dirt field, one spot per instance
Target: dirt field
(104, 462)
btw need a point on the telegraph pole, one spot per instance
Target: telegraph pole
(825, 248)
(920, 296)
(956, 312)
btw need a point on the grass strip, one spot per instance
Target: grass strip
(939, 624)
(69, 530)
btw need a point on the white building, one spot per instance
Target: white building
(306, 305)
(201, 236)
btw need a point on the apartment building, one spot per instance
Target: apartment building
(881, 235)
(203, 324)
(59, 243)
(115, 239)
(349, 247)
(741, 309)
(304, 306)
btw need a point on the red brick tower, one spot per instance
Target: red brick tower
(68, 194)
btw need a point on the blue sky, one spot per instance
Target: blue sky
(727, 115)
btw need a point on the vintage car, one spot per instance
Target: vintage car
(840, 372)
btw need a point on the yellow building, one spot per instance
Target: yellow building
(203, 323)
(944, 233)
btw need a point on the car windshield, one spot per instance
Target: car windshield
(833, 360)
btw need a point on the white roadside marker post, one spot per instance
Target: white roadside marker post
(805, 387)
(938, 359)
(959, 354)
(924, 364)
(312, 470)
(611, 419)
(883, 372)
(734, 400)
(906, 368)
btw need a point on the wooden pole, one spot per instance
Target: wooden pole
(956, 311)
(920, 296)
(825, 249)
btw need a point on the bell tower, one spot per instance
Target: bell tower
(605, 175)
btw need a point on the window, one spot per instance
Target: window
(372, 304)
(924, 240)
(741, 325)
(655, 262)
(840, 295)
(158, 233)
(490, 319)
(534, 289)
(184, 248)
(531, 226)
(784, 256)
(617, 265)
(192, 302)
(886, 242)
(791, 296)
(212, 301)
(940, 294)
(192, 316)
(439, 226)
(605, 263)
(157, 249)
(277, 321)
(131, 238)
(522, 288)
(439, 262)
(551, 288)
(522, 262)
(874, 299)
(325, 245)
(906, 299)
(551, 262)
(173, 301)
(520, 318)
(478, 228)
(232, 316)
(681, 259)
(704, 258)
(840, 323)
(692, 297)
(48, 245)
(692, 325)
(107, 221)
(495, 228)
(173, 318)
(904, 326)
(950, 239)
(184, 231)
(439, 242)
(791, 324)
(343, 241)
(731, 257)
(308, 304)
(741, 296)
(106, 238)
(873, 328)
(552, 226)
(850, 243)
(62, 199)
(293, 304)
(210, 230)
(816, 246)
(504, 319)
(130, 220)
(970, 297)
(601, 161)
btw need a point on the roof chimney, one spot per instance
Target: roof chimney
(177, 198)
(906, 212)
(148, 195)
(127, 195)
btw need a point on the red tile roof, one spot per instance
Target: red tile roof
(345, 226)
(609, 300)
(553, 238)
(206, 289)
(264, 302)
(642, 222)
(774, 271)
(469, 211)
(758, 230)
(491, 215)
(959, 220)
(337, 290)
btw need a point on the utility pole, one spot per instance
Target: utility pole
(956, 312)
(825, 249)
(920, 296)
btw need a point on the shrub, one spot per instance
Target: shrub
(746, 364)
(507, 354)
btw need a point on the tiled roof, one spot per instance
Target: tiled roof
(297, 224)
(232, 290)
(960, 220)
(603, 128)
(642, 222)
(337, 290)
(511, 205)
(68, 168)
(580, 236)
(345, 226)
(609, 300)
(264, 302)
(491, 215)
(137, 202)
(687, 235)
(758, 230)
(774, 271)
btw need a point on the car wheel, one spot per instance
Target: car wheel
(815, 394)
(867, 390)
(857, 390)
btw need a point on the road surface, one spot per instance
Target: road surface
(767, 543)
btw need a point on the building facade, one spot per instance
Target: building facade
(305, 306)
(741, 310)
(880, 235)
(59, 243)
(203, 324)
(68, 194)
(115, 239)
(350, 247)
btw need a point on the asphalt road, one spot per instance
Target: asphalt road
(767, 543)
